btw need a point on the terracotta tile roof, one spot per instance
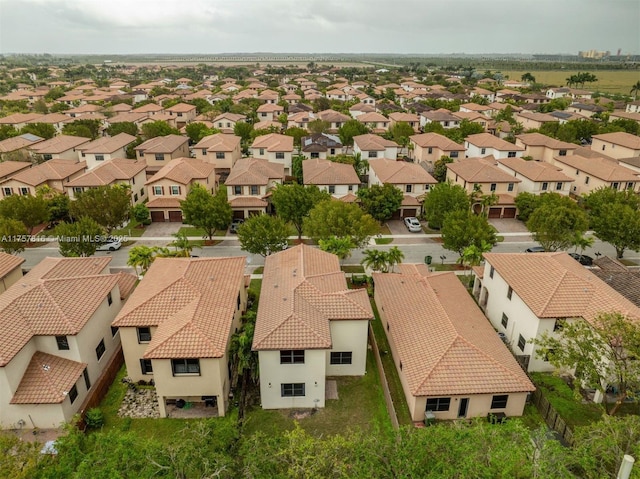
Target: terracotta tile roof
(57, 297)
(408, 200)
(369, 142)
(18, 118)
(235, 117)
(333, 116)
(487, 140)
(162, 144)
(624, 280)
(164, 202)
(181, 108)
(10, 168)
(148, 108)
(17, 142)
(445, 344)
(128, 117)
(49, 170)
(47, 379)
(538, 139)
(303, 290)
(254, 171)
(183, 171)
(266, 124)
(109, 172)
(8, 263)
(439, 115)
(621, 138)
(555, 285)
(400, 172)
(541, 117)
(191, 301)
(348, 198)
(535, 170)
(58, 144)
(274, 142)
(325, 172)
(373, 117)
(218, 142)
(126, 284)
(436, 140)
(248, 202)
(599, 167)
(406, 117)
(107, 144)
(270, 108)
(52, 118)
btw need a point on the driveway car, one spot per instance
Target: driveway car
(235, 224)
(110, 245)
(412, 224)
(535, 249)
(582, 258)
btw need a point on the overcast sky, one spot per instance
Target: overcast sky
(317, 26)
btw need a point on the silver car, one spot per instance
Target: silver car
(109, 245)
(412, 223)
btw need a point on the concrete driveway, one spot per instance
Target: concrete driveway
(397, 227)
(507, 225)
(162, 229)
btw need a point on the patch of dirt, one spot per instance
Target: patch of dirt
(298, 414)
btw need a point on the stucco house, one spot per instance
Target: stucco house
(57, 338)
(309, 326)
(533, 120)
(275, 148)
(159, 151)
(52, 173)
(226, 122)
(320, 145)
(334, 118)
(485, 144)
(376, 122)
(374, 146)
(63, 147)
(183, 113)
(10, 168)
(543, 148)
(430, 147)
(249, 183)
(526, 294)
(173, 182)
(269, 111)
(442, 116)
(17, 147)
(220, 149)
(10, 271)
(177, 326)
(462, 369)
(411, 119)
(106, 148)
(537, 176)
(338, 179)
(617, 145)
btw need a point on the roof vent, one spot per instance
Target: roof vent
(46, 367)
(275, 285)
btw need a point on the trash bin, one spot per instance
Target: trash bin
(427, 259)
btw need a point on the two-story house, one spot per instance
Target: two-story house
(376, 122)
(172, 183)
(320, 145)
(118, 171)
(16, 148)
(220, 149)
(338, 179)
(531, 120)
(106, 148)
(537, 176)
(442, 116)
(159, 151)
(461, 368)
(617, 145)
(410, 178)
(374, 146)
(309, 326)
(430, 147)
(275, 148)
(177, 326)
(334, 118)
(63, 147)
(57, 338)
(248, 184)
(10, 271)
(485, 144)
(269, 112)
(183, 113)
(411, 119)
(543, 148)
(226, 122)
(52, 173)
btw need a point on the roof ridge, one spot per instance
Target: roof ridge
(438, 361)
(148, 300)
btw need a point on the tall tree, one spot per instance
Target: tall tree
(141, 256)
(440, 168)
(381, 202)
(204, 210)
(13, 235)
(635, 89)
(341, 246)
(263, 235)
(196, 131)
(318, 126)
(336, 218)
(109, 206)
(294, 202)
(158, 128)
(30, 210)
(555, 223)
(122, 127)
(79, 238)
(444, 198)
(375, 259)
(43, 130)
(462, 229)
(350, 129)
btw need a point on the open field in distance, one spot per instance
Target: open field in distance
(609, 81)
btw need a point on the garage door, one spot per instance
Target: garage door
(396, 215)
(495, 212)
(407, 212)
(175, 216)
(255, 212)
(509, 213)
(238, 215)
(157, 216)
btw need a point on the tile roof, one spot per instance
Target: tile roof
(218, 142)
(487, 140)
(162, 144)
(555, 285)
(325, 172)
(17, 142)
(535, 170)
(248, 202)
(17, 118)
(109, 172)
(599, 167)
(436, 140)
(333, 116)
(535, 116)
(620, 138)
(8, 263)
(439, 115)
(406, 117)
(254, 171)
(538, 139)
(235, 117)
(370, 142)
(274, 142)
(58, 144)
(57, 297)
(184, 171)
(373, 117)
(400, 172)
(445, 344)
(181, 108)
(128, 117)
(49, 170)
(624, 280)
(10, 168)
(107, 144)
(164, 202)
(47, 379)
(303, 290)
(192, 301)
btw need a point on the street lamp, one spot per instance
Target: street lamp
(442, 258)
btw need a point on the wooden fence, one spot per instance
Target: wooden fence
(551, 417)
(391, 410)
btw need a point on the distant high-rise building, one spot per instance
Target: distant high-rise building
(594, 54)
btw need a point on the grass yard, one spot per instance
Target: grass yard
(131, 230)
(384, 230)
(609, 81)
(628, 262)
(531, 418)
(259, 270)
(255, 286)
(193, 231)
(384, 240)
(353, 268)
(360, 406)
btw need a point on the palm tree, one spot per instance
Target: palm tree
(394, 257)
(635, 89)
(141, 256)
(582, 242)
(375, 260)
(340, 246)
(182, 244)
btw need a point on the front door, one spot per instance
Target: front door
(462, 410)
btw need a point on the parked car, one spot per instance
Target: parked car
(535, 249)
(111, 244)
(412, 223)
(235, 224)
(583, 259)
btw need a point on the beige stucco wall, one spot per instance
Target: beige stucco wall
(150, 158)
(133, 352)
(580, 185)
(10, 278)
(348, 336)
(615, 151)
(479, 406)
(230, 157)
(422, 154)
(90, 158)
(501, 188)
(273, 374)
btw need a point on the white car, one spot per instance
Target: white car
(413, 224)
(109, 245)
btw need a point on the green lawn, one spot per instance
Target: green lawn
(358, 269)
(259, 270)
(446, 266)
(393, 380)
(628, 262)
(531, 417)
(384, 240)
(360, 406)
(193, 231)
(130, 230)
(255, 286)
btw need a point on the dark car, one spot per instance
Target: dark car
(582, 258)
(535, 249)
(235, 224)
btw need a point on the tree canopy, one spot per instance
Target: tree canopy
(444, 198)
(350, 129)
(204, 210)
(158, 128)
(79, 238)
(263, 235)
(336, 218)
(556, 221)
(13, 235)
(381, 202)
(462, 229)
(294, 202)
(109, 206)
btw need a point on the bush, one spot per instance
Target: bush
(94, 418)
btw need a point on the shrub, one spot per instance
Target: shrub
(94, 418)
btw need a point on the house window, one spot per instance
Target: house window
(254, 189)
(446, 123)
(430, 150)
(493, 187)
(332, 189)
(109, 298)
(342, 357)
(174, 190)
(263, 114)
(333, 151)
(237, 190)
(204, 152)
(511, 154)
(315, 155)
(228, 124)
(279, 155)
(144, 334)
(615, 185)
(114, 331)
(509, 292)
(87, 381)
(7, 191)
(603, 147)
(239, 302)
(100, 349)
(185, 366)
(47, 157)
(99, 157)
(141, 191)
(491, 271)
(499, 402)
(62, 342)
(141, 153)
(77, 190)
(262, 151)
(505, 320)
(438, 404)
(630, 185)
(145, 366)
(73, 393)
(562, 153)
(135, 197)
(586, 180)
(521, 342)
(510, 187)
(408, 188)
(292, 389)
(577, 172)
(159, 156)
(220, 155)
(179, 114)
(558, 186)
(350, 187)
(24, 191)
(559, 324)
(292, 356)
(453, 154)
(483, 151)
(373, 154)
(157, 190)
(545, 186)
